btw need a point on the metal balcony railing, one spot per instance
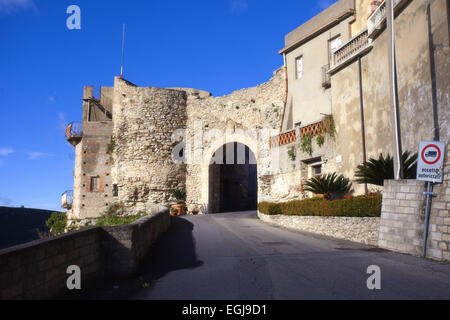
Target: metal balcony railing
(353, 48)
(67, 199)
(74, 132)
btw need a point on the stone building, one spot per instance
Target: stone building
(138, 144)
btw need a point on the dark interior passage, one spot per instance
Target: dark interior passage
(233, 179)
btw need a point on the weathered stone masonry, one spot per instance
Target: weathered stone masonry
(403, 215)
(248, 116)
(143, 167)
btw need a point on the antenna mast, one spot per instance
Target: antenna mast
(123, 50)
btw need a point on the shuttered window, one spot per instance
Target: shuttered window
(299, 67)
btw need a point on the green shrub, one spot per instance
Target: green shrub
(114, 220)
(320, 140)
(274, 209)
(111, 145)
(331, 186)
(57, 223)
(113, 209)
(291, 154)
(375, 171)
(306, 143)
(361, 206)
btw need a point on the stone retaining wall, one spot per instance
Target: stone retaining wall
(37, 270)
(403, 215)
(357, 229)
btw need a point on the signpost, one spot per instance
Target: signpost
(430, 169)
(431, 161)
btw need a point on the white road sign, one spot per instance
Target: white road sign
(431, 161)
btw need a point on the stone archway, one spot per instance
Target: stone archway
(233, 179)
(207, 188)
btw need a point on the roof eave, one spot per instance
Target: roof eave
(319, 30)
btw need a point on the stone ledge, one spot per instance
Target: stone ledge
(37, 270)
(357, 229)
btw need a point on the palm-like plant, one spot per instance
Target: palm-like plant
(331, 186)
(180, 195)
(375, 171)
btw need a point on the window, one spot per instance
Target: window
(334, 44)
(95, 184)
(317, 170)
(299, 67)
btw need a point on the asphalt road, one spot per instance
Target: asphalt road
(235, 256)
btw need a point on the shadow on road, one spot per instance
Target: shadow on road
(174, 251)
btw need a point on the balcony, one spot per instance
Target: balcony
(74, 133)
(349, 51)
(326, 79)
(289, 137)
(67, 199)
(377, 21)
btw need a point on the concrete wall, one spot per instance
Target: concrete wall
(361, 16)
(308, 100)
(323, 19)
(37, 270)
(356, 229)
(126, 246)
(415, 74)
(144, 121)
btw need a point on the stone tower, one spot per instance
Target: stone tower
(144, 173)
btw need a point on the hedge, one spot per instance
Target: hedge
(361, 206)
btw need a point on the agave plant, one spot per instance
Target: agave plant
(180, 195)
(331, 186)
(375, 171)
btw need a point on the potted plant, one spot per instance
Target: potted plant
(178, 208)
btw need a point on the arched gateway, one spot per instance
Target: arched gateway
(232, 181)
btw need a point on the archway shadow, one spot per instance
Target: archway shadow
(174, 251)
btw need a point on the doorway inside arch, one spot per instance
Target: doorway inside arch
(233, 184)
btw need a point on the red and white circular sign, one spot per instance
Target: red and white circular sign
(431, 154)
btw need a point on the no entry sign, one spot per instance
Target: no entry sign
(431, 161)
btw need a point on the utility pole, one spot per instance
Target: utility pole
(398, 164)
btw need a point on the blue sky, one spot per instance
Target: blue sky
(215, 45)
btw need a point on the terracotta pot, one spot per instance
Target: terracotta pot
(177, 210)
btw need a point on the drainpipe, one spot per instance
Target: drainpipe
(363, 127)
(286, 91)
(398, 166)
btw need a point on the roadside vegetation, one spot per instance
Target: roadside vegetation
(361, 206)
(114, 216)
(56, 223)
(333, 192)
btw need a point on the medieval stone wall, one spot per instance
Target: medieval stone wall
(248, 116)
(143, 168)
